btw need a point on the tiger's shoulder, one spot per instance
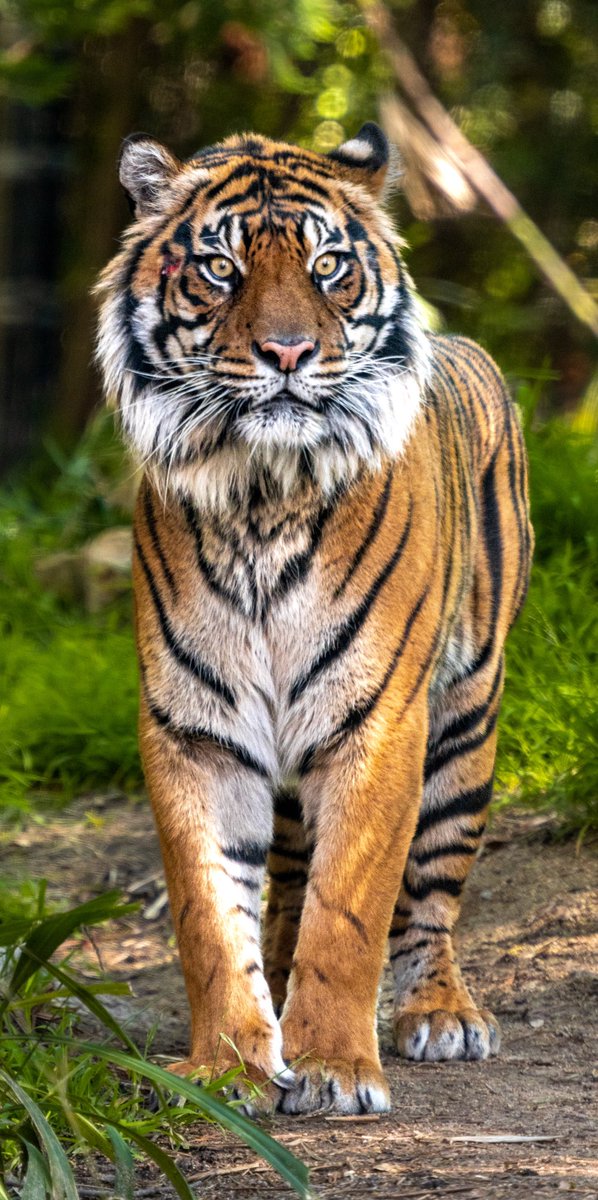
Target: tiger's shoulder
(465, 382)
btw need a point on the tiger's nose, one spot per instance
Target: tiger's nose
(289, 354)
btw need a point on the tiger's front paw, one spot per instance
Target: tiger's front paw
(336, 1085)
(439, 1036)
(258, 1093)
(253, 1046)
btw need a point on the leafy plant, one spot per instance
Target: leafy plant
(60, 1096)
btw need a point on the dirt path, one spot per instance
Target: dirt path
(529, 947)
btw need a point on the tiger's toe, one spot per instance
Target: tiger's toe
(441, 1036)
(349, 1088)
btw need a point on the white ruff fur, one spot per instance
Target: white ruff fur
(376, 428)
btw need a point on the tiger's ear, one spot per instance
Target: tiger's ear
(364, 159)
(145, 168)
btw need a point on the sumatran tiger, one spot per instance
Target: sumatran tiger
(331, 543)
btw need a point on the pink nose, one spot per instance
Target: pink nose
(288, 356)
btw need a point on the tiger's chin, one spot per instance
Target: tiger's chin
(285, 445)
(282, 423)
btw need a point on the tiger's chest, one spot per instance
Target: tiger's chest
(260, 606)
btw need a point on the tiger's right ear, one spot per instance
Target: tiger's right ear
(145, 168)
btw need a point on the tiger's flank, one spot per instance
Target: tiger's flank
(331, 544)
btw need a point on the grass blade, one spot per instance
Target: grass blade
(125, 1165)
(63, 1182)
(164, 1161)
(285, 1163)
(50, 933)
(91, 1002)
(37, 1184)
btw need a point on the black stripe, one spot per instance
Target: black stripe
(421, 891)
(185, 658)
(428, 928)
(360, 712)
(345, 633)
(427, 856)
(492, 536)
(193, 734)
(150, 518)
(253, 884)
(468, 720)
(440, 758)
(377, 519)
(293, 855)
(206, 568)
(243, 171)
(247, 912)
(288, 876)
(464, 804)
(349, 916)
(298, 566)
(409, 949)
(493, 543)
(253, 854)
(286, 805)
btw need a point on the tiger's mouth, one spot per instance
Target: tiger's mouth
(286, 401)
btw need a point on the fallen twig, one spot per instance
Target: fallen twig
(498, 1138)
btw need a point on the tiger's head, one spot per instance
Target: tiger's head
(259, 316)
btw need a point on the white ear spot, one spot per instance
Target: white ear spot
(356, 149)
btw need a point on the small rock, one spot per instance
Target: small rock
(123, 494)
(61, 573)
(107, 567)
(536, 1022)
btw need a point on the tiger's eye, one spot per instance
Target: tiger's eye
(221, 267)
(326, 265)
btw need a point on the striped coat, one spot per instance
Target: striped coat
(324, 581)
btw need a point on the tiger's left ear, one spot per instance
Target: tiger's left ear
(364, 159)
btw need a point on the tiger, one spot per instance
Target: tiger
(331, 542)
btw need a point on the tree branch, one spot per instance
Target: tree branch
(474, 168)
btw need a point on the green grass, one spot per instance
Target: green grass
(62, 1098)
(68, 698)
(68, 702)
(548, 730)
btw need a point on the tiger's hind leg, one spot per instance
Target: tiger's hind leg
(435, 1016)
(288, 863)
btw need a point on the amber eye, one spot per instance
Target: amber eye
(221, 268)
(326, 265)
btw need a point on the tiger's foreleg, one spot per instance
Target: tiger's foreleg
(288, 863)
(435, 1015)
(214, 822)
(362, 802)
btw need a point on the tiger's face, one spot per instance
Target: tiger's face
(259, 314)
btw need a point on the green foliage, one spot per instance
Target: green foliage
(549, 722)
(69, 679)
(61, 1097)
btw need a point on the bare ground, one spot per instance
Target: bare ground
(529, 947)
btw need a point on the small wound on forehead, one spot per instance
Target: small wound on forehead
(170, 266)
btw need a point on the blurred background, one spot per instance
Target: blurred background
(498, 245)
